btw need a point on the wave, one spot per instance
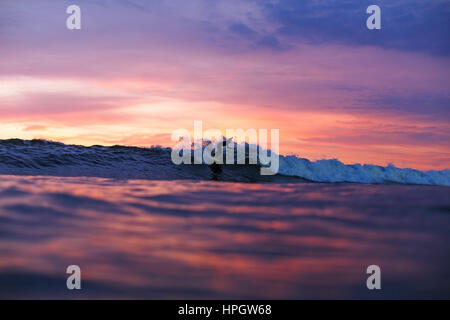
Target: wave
(41, 157)
(335, 171)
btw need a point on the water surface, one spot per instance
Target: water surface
(205, 239)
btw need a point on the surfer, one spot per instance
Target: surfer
(216, 168)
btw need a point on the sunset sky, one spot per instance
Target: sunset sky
(138, 70)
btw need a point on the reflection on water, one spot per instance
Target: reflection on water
(182, 239)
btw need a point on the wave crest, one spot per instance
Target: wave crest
(335, 171)
(41, 157)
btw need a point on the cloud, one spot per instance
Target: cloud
(409, 25)
(431, 105)
(35, 128)
(243, 30)
(380, 138)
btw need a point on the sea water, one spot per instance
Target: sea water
(189, 239)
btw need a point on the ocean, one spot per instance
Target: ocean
(140, 227)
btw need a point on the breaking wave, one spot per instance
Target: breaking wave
(41, 157)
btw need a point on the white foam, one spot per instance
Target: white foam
(335, 171)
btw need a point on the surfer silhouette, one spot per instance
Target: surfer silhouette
(216, 168)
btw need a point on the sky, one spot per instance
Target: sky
(140, 69)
